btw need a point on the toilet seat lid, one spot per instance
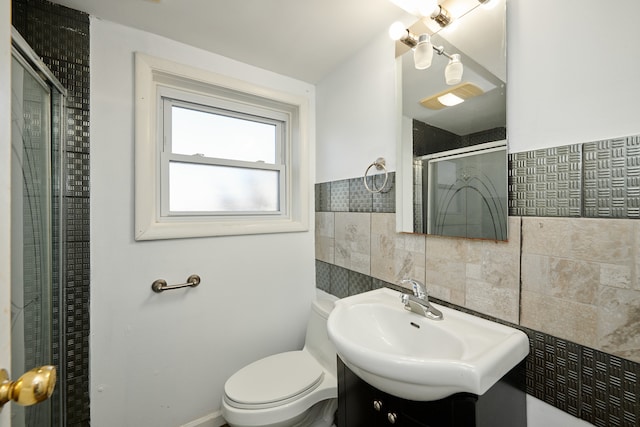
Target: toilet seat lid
(274, 380)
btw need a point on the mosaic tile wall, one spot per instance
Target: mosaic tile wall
(60, 36)
(599, 179)
(584, 359)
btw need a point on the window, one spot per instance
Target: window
(216, 156)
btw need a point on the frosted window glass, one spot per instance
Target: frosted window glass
(209, 188)
(223, 137)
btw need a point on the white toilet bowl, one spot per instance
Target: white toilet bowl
(292, 389)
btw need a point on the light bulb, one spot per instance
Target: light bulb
(450, 99)
(427, 8)
(453, 71)
(423, 52)
(397, 30)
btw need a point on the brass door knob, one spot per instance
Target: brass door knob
(33, 387)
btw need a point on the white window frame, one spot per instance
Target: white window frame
(158, 79)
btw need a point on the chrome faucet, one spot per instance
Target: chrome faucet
(419, 301)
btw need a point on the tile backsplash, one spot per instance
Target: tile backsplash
(569, 275)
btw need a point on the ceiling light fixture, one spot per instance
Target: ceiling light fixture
(450, 99)
(442, 100)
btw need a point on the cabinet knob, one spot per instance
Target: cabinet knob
(377, 405)
(392, 417)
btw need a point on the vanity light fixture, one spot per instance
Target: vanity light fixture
(423, 52)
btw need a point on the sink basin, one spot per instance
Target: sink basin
(410, 356)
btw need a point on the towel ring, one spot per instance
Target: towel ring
(380, 165)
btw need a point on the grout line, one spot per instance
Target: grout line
(520, 274)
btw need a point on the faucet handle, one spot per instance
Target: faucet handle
(419, 290)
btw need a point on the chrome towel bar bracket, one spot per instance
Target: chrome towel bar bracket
(161, 285)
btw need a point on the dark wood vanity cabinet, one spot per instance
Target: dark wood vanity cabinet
(362, 405)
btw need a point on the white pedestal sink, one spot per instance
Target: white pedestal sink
(410, 356)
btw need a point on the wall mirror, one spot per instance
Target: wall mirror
(452, 159)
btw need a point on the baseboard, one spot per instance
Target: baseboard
(212, 420)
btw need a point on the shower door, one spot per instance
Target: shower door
(35, 119)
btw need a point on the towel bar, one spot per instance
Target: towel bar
(161, 285)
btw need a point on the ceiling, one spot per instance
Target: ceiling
(308, 39)
(303, 39)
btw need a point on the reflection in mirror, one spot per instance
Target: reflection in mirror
(453, 157)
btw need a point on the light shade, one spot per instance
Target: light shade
(453, 71)
(423, 52)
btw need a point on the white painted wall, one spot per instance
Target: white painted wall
(356, 106)
(572, 72)
(541, 414)
(571, 80)
(162, 359)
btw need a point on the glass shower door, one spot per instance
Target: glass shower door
(31, 232)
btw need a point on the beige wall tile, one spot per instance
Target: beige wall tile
(573, 280)
(501, 269)
(602, 240)
(546, 236)
(534, 272)
(325, 224)
(353, 241)
(619, 322)
(563, 318)
(324, 231)
(617, 276)
(442, 293)
(487, 298)
(446, 263)
(635, 275)
(395, 256)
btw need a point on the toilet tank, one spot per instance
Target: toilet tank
(317, 340)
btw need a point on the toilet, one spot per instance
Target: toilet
(292, 389)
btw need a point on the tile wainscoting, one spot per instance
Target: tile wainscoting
(571, 282)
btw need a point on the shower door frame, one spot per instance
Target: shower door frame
(5, 194)
(22, 52)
